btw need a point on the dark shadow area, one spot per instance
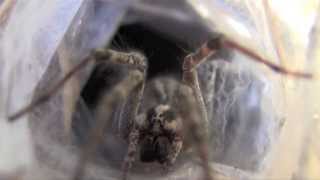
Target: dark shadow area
(165, 57)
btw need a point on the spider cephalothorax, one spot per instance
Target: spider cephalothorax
(160, 135)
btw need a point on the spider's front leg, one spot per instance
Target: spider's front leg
(132, 149)
(193, 126)
(190, 78)
(97, 56)
(133, 83)
(139, 62)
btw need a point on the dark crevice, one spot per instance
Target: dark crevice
(165, 57)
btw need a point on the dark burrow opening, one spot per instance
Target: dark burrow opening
(164, 54)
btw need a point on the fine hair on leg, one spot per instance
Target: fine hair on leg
(103, 114)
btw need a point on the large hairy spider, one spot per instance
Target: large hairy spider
(159, 132)
(156, 134)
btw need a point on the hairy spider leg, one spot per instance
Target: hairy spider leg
(132, 149)
(134, 134)
(133, 83)
(139, 61)
(192, 118)
(133, 59)
(119, 92)
(190, 78)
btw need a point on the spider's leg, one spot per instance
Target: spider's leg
(139, 62)
(134, 133)
(257, 58)
(101, 55)
(132, 126)
(132, 112)
(53, 90)
(109, 100)
(132, 149)
(134, 59)
(190, 78)
(132, 85)
(192, 119)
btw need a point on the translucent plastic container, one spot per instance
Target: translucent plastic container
(263, 124)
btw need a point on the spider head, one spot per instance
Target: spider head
(159, 141)
(162, 118)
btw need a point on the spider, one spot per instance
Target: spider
(160, 133)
